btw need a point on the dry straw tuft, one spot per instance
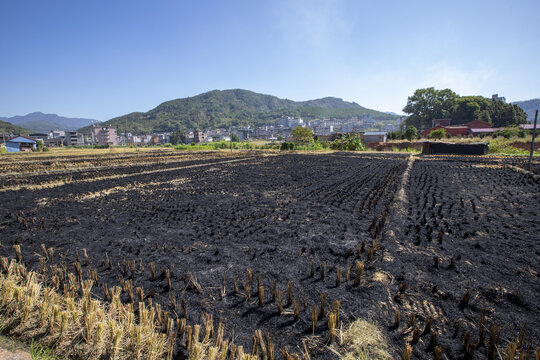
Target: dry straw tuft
(106, 330)
(338, 276)
(261, 295)
(323, 270)
(17, 249)
(407, 352)
(314, 318)
(332, 323)
(289, 293)
(296, 311)
(359, 272)
(438, 353)
(323, 305)
(396, 318)
(362, 339)
(410, 323)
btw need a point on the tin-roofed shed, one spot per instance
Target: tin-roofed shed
(20, 143)
(375, 136)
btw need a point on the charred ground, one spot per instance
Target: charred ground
(428, 232)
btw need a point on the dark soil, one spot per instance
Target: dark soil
(278, 215)
(471, 225)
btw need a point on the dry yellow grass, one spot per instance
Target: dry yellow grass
(83, 328)
(362, 340)
(86, 328)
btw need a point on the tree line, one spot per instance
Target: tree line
(430, 103)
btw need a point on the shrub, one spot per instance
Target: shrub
(311, 147)
(222, 145)
(349, 142)
(286, 146)
(39, 145)
(411, 133)
(438, 134)
(509, 132)
(395, 135)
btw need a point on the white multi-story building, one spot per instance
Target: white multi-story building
(291, 122)
(58, 134)
(104, 135)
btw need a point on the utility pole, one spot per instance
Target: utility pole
(93, 136)
(533, 137)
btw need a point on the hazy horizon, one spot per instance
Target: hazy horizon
(100, 60)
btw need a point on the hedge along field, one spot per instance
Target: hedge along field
(273, 255)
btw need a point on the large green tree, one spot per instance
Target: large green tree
(302, 135)
(469, 108)
(503, 114)
(428, 104)
(178, 137)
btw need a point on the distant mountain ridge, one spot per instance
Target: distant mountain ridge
(223, 108)
(40, 122)
(529, 106)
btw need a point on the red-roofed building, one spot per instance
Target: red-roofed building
(478, 124)
(457, 130)
(460, 130)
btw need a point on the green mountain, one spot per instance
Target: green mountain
(216, 109)
(529, 106)
(9, 128)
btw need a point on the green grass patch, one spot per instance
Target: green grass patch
(501, 146)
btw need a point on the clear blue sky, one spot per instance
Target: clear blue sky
(104, 58)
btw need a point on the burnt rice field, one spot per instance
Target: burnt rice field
(275, 255)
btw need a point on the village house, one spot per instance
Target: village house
(20, 143)
(198, 136)
(73, 138)
(39, 136)
(104, 135)
(474, 127)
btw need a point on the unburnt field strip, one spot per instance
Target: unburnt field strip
(59, 169)
(438, 252)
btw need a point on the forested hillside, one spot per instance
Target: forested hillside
(217, 108)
